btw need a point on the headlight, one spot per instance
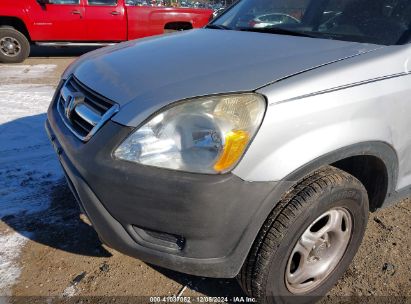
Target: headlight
(204, 135)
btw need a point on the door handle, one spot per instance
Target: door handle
(75, 12)
(114, 13)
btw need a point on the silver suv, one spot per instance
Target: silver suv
(244, 149)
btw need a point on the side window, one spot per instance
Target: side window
(102, 2)
(67, 2)
(209, 4)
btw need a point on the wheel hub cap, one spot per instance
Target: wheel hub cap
(10, 46)
(320, 248)
(318, 251)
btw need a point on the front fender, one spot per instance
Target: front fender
(320, 147)
(327, 127)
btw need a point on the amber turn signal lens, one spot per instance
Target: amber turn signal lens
(235, 144)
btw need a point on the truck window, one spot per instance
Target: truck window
(165, 3)
(67, 2)
(102, 2)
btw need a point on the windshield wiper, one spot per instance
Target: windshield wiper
(276, 30)
(217, 27)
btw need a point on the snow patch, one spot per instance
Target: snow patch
(70, 291)
(27, 71)
(19, 100)
(28, 164)
(10, 248)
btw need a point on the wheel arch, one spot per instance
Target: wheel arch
(373, 163)
(16, 23)
(178, 25)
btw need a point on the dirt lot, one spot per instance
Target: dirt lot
(47, 249)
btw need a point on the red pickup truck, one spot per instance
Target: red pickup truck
(87, 22)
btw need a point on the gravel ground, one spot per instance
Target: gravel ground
(48, 249)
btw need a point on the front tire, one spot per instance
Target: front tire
(14, 46)
(308, 240)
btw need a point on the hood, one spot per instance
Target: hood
(148, 74)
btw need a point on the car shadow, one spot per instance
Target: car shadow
(61, 51)
(59, 226)
(35, 200)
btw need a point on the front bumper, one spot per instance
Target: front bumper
(192, 223)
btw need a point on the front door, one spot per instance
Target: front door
(106, 20)
(59, 20)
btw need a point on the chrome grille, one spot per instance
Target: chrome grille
(82, 110)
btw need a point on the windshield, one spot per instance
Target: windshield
(385, 22)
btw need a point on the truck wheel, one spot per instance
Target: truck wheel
(14, 46)
(308, 240)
